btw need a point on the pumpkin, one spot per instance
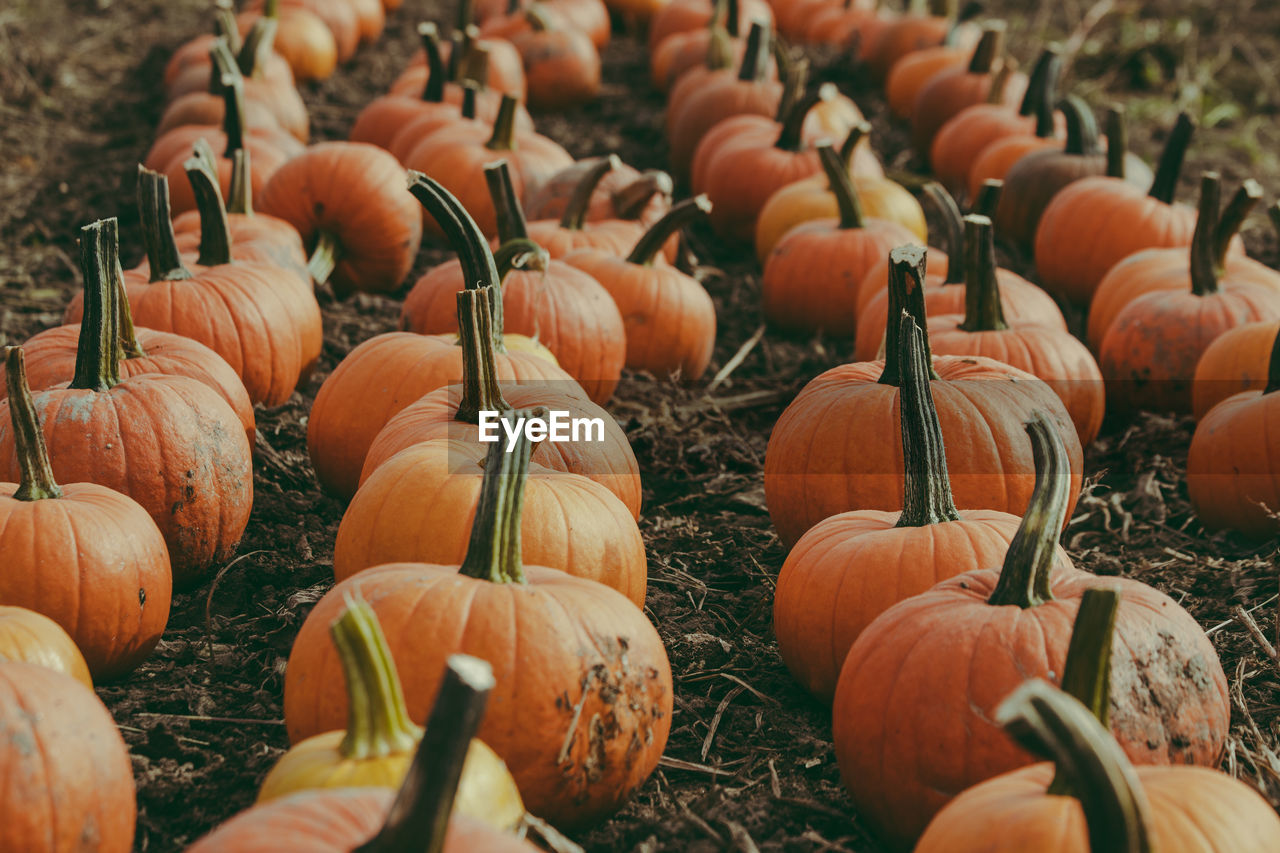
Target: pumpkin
(30, 637)
(963, 137)
(302, 38)
(561, 65)
(914, 31)
(835, 23)
(1170, 269)
(1022, 300)
(1047, 352)
(987, 79)
(194, 69)
(1231, 478)
(195, 51)
(602, 696)
(347, 200)
(91, 559)
(909, 73)
(573, 231)
(1237, 360)
(835, 447)
(1092, 798)
(670, 319)
(701, 101)
(680, 52)
(169, 442)
(376, 748)
(458, 154)
(1032, 181)
(1149, 352)
(848, 569)
(342, 17)
(492, 63)
(420, 816)
(412, 131)
(621, 193)
(68, 768)
(811, 275)
(683, 15)
(562, 307)
(906, 688)
(811, 198)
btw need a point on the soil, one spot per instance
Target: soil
(749, 764)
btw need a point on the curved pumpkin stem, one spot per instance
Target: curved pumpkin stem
(504, 126)
(1086, 675)
(378, 723)
(1117, 142)
(459, 229)
(927, 495)
(575, 210)
(842, 188)
(1082, 127)
(794, 75)
(215, 230)
(680, 215)
(419, 816)
(1165, 183)
(906, 295)
(849, 147)
(630, 201)
(494, 552)
(1050, 723)
(232, 82)
(1042, 82)
(480, 389)
(990, 48)
(1233, 216)
(755, 59)
(98, 350)
(983, 311)
(257, 46)
(37, 481)
(157, 228)
(791, 137)
(1025, 577)
(952, 228)
(433, 91)
(241, 200)
(1204, 274)
(520, 253)
(502, 192)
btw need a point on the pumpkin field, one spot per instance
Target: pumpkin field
(927, 358)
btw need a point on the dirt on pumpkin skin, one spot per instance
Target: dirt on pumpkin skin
(749, 763)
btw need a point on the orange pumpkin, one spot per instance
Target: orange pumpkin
(682, 51)
(621, 193)
(1236, 361)
(910, 33)
(561, 64)
(906, 688)
(342, 17)
(910, 73)
(169, 442)
(835, 447)
(302, 38)
(683, 15)
(1149, 352)
(30, 637)
(601, 692)
(573, 231)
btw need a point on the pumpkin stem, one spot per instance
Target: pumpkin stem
(794, 77)
(37, 481)
(967, 13)
(157, 229)
(480, 389)
(630, 201)
(680, 215)
(1165, 184)
(419, 816)
(575, 210)
(1000, 79)
(1204, 274)
(465, 16)
(842, 188)
(458, 40)
(942, 8)
(952, 229)
(988, 199)
(1041, 83)
(461, 231)
(476, 68)
(849, 147)
(1233, 216)
(927, 486)
(494, 552)
(504, 126)
(1082, 127)
(1117, 133)
(378, 722)
(791, 136)
(324, 257)
(502, 191)
(241, 200)
(129, 345)
(990, 48)
(1273, 212)
(906, 294)
(1048, 722)
(257, 44)
(98, 351)
(733, 18)
(755, 59)
(433, 91)
(1045, 108)
(719, 48)
(224, 22)
(1273, 368)
(983, 311)
(232, 99)
(470, 89)
(1025, 577)
(522, 254)
(215, 229)
(1086, 675)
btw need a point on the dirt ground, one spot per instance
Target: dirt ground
(749, 764)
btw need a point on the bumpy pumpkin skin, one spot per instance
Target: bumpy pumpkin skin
(68, 779)
(97, 565)
(30, 637)
(836, 448)
(591, 672)
(914, 707)
(1192, 809)
(170, 443)
(1236, 361)
(1231, 478)
(848, 569)
(419, 507)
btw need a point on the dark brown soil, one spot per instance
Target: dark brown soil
(749, 764)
